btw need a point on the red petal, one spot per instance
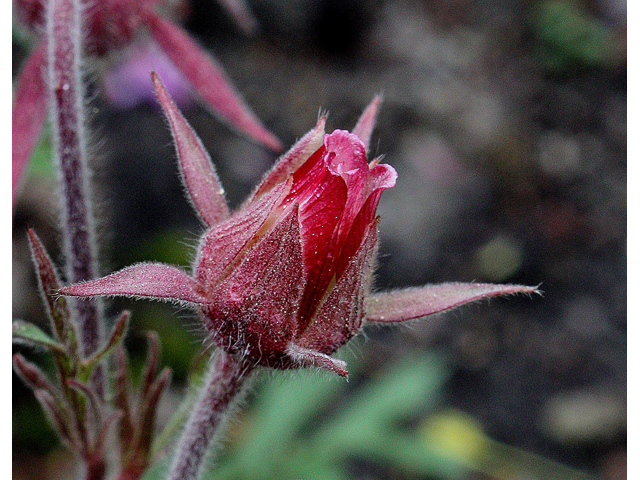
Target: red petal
(340, 316)
(198, 173)
(416, 302)
(322, 196)
(150, 280)
(28, 115)
(333, 216)
(209, 80)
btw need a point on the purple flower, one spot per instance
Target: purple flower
(286, 280)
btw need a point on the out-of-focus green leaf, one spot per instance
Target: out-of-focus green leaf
(306, 425)
(570, 37)
(41, 164)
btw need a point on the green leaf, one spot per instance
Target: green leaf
(30, 334)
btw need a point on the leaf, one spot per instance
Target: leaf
(148, 411)
(122, 399)
(34, 377)
(49, 283)
(152, 363)
(60, 419)
(26, 332)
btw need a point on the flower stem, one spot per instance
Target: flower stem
(222, 390)
(67, 112)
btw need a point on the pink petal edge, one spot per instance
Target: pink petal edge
(143, 280)
(198, 173)
(417, 302)
(209, 80)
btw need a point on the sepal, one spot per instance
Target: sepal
(198, 173)
(151, 280)
(417, 302)
(293, 159)
(367, 121)
(305, 357)
(209, 80)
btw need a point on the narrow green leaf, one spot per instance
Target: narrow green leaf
(30, 334)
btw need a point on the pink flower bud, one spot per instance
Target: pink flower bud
(276, 271)
(286, 280)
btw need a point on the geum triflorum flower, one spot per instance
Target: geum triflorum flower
(286, 280)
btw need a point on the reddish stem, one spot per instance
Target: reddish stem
(66, 99)
(221, 391)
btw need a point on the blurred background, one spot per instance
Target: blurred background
(506, 122)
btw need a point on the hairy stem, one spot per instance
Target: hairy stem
(222, 389)
(67, 113)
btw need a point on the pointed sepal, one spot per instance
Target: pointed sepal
(367, 121)
(262, 295)
(305, 357)
(417, 302)
(240, 12)
(198, 173)
(209, 80)
(340, 315)
(143, 280)
(223, 243)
